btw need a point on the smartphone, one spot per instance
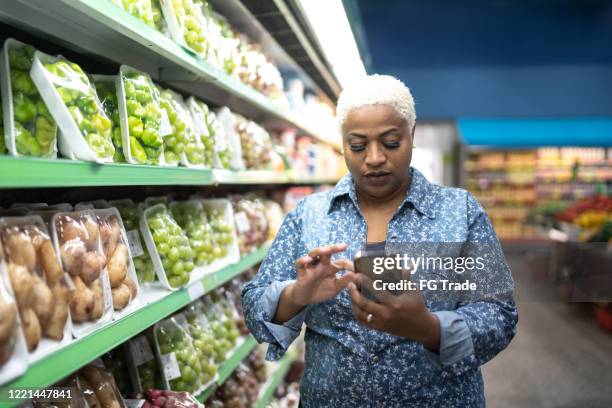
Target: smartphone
(371, 264)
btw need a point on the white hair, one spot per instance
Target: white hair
(376, 90)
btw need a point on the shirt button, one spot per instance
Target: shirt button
(393, 237)
(375, 359)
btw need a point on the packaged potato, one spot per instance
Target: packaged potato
(13, 351)
(30, 129)
(73, 103)
(99, 387)
(124, 285)
(76, 236)
(42, 290)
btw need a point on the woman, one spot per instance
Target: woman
(362, 353)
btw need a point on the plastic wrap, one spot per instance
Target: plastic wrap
(107, 93)
(148, 11)
(199, 115)
(208, 369)
(142, 363)
(255, 142)
(186, 23)
(168, 246)
(73, 103)
(227, 122)
(42, 289)
(30, 129)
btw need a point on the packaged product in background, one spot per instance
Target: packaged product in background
(182, 144)
(30, 129)
(251, 223)
(199, 115)
(223, 150)
(98, 385)
(143, 122)
(125, 289)
(131, 214)
(73, 103)
(227, 121)
(142, 363)
(148, 11)
(2, 144)
(208, 369)
(116, 361)
(168, 246)
(162, 398)
(186, 23)
(177, 357)
(41, 288)
(107, 93)
(274, 215)
(13, 349)
(154, 200)
(76, 236)
(203, 337)
(222, 327)
(255, 142)
(227, 44)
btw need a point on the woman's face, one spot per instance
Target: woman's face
(377, 149)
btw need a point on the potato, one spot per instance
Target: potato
(132, 285)
(7, 321)
(20, 249)
(118, 266)
(92, 236)
(48, 261)
(42, 299)
(121, 296)
(98, 308)
(82, 302)
(6, 351)
(89, 393)
(71, 230)
(103, 385)
(92, 265)
(31, 328)
(72, 256)
(22, 283)
(54, 327)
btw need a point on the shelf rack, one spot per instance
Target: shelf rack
(101, 29)
(81, 351)
(267, 391)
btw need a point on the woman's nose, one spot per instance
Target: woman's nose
(374, 155)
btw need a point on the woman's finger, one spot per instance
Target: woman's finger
(363, 303)
(327, 251)
(343, 264)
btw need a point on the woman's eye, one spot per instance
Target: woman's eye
(357, 148)
(391, 145)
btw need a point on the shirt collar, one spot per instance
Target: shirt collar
(421, 194)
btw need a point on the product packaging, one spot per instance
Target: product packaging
(168, 246)
(13, 349)
(42, 289)
(255, 143)
(148, 11)
(183, 144)
(143, 122)
(208, 373)
(217, 152)
(76, 236)
(142, 363)
(177, 357)
(85, 130)
(99, 387)
(227, 121)
(106, 87)
(186, 24)
(29, 127)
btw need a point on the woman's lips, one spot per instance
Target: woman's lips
(378, 179)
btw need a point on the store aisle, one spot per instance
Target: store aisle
(560, 357)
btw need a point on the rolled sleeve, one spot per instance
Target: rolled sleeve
(283, 333)
(455, 340)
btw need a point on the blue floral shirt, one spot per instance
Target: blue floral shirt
(349, 365)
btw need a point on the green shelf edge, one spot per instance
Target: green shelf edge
(229, 366)
(82, 351)
(119, 20)
(28, 172)
(274, 381)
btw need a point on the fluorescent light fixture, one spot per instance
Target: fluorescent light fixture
(328, 21)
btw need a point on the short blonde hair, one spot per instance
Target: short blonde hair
(376, 90)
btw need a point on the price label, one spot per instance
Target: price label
(133, 237)
(134, 403)
(171, 367)
(242, 222)
(165, 127)
(220, 140)
(141, 350)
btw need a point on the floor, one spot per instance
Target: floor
(560, 357)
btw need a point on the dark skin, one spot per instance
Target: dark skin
(377, 145)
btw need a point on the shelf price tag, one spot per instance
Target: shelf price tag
(196, 290)
(141, 350)
(165, 127)
(133, 237)
(170, 366)
(242, 222)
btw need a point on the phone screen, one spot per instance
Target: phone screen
(371, 264)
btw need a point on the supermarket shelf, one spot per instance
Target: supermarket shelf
(229, 366)
(273, 382)
(101, 29)
(29, 172)
(80, 352)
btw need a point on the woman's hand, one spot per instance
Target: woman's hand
(316, 276)
(405, 315)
